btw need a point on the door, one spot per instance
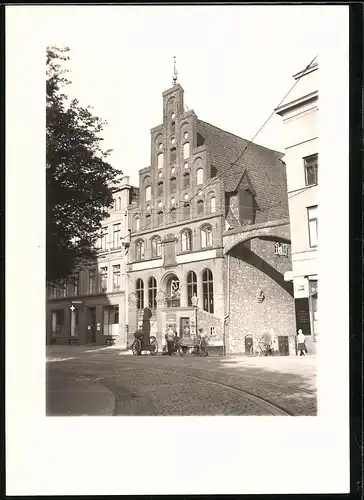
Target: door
(184, 327)
(283, 346)
(91, 326)
(248, 344)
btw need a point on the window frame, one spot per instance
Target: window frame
(307, 165)
(139, 291)
(184, 238)
(139, 244)
(207, 230)
(152, 293)
(191, 287)
(103, 278)
(199, 169)
(208, 291)
(116, 272)
(156, 243)
(309, 220)
(116, 236)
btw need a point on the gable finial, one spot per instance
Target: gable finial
(174, 71)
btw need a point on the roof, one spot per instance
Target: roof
(260, 167)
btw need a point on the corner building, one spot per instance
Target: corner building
(200, 227)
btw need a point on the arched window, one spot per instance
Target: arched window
(208, 291)
(152, 293)
(186, 211)
(156, 246)
(160, 160)
(173, 185)
(186, 240)
(139, 250)
(137, 224)
(148, 220)
(160, 218)
(206, 236)
(191, 286)
(199, 176)
(212, 204)
(160, 188)
(119, 203)
(200, 207)
(173, 215)
(140, 293)
(186, 150)
(148, 193)
(186, 180)
(172, 156)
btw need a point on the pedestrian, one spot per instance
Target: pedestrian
(170, 340)
(301, 341)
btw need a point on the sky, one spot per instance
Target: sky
(235, 64)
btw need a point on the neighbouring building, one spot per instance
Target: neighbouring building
(300, 118)
(91, 307)
(212, 220)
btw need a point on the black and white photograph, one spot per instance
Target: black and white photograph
(178, 263)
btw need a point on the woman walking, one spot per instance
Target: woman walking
(301, 341)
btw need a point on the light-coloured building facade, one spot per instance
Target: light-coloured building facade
(300, 118)
(91, 307)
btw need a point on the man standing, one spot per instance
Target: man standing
(170, 340)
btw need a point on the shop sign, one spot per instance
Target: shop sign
(300, 288)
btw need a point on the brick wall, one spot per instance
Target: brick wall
(255, 268)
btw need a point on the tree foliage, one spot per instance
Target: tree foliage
(80, 181)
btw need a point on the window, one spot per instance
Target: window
(75, 284)
(160, 188)
(137, 224)
(61, 290)
(119, 203)
(186, 211)
(186, 180)
(186, 240)
(191, 286)
(152, 295)
(116, 236)
(212, 204)
(313, 225)
(199, 176)
(111, 320)
(160, 160)
(139, 250)
(116, 277)
(186, 150)
(173, 185)
(140, 293)
(173, 215)
(208, 291)
(148, 220)
(206, 236)
(103, 238)
(114, 204)
(311, 169)
(156, 247)
(57, 322)
(200, 207)
(92, 281)
(160, 218)
(172, 156)
(103, 279)
(148, 192)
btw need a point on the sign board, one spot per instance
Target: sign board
(76, 302)
(300, 288)
(303, 316)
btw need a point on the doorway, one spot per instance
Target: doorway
(283, 345)
(184, 327)
(91, 325)
(248, 341)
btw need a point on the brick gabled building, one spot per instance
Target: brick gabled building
(212, 220)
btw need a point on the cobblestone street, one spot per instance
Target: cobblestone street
(108, 382)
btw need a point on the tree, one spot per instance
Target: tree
(80, 181)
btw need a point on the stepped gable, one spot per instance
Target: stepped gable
(264, 167)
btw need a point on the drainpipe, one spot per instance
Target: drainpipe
(228, 303)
